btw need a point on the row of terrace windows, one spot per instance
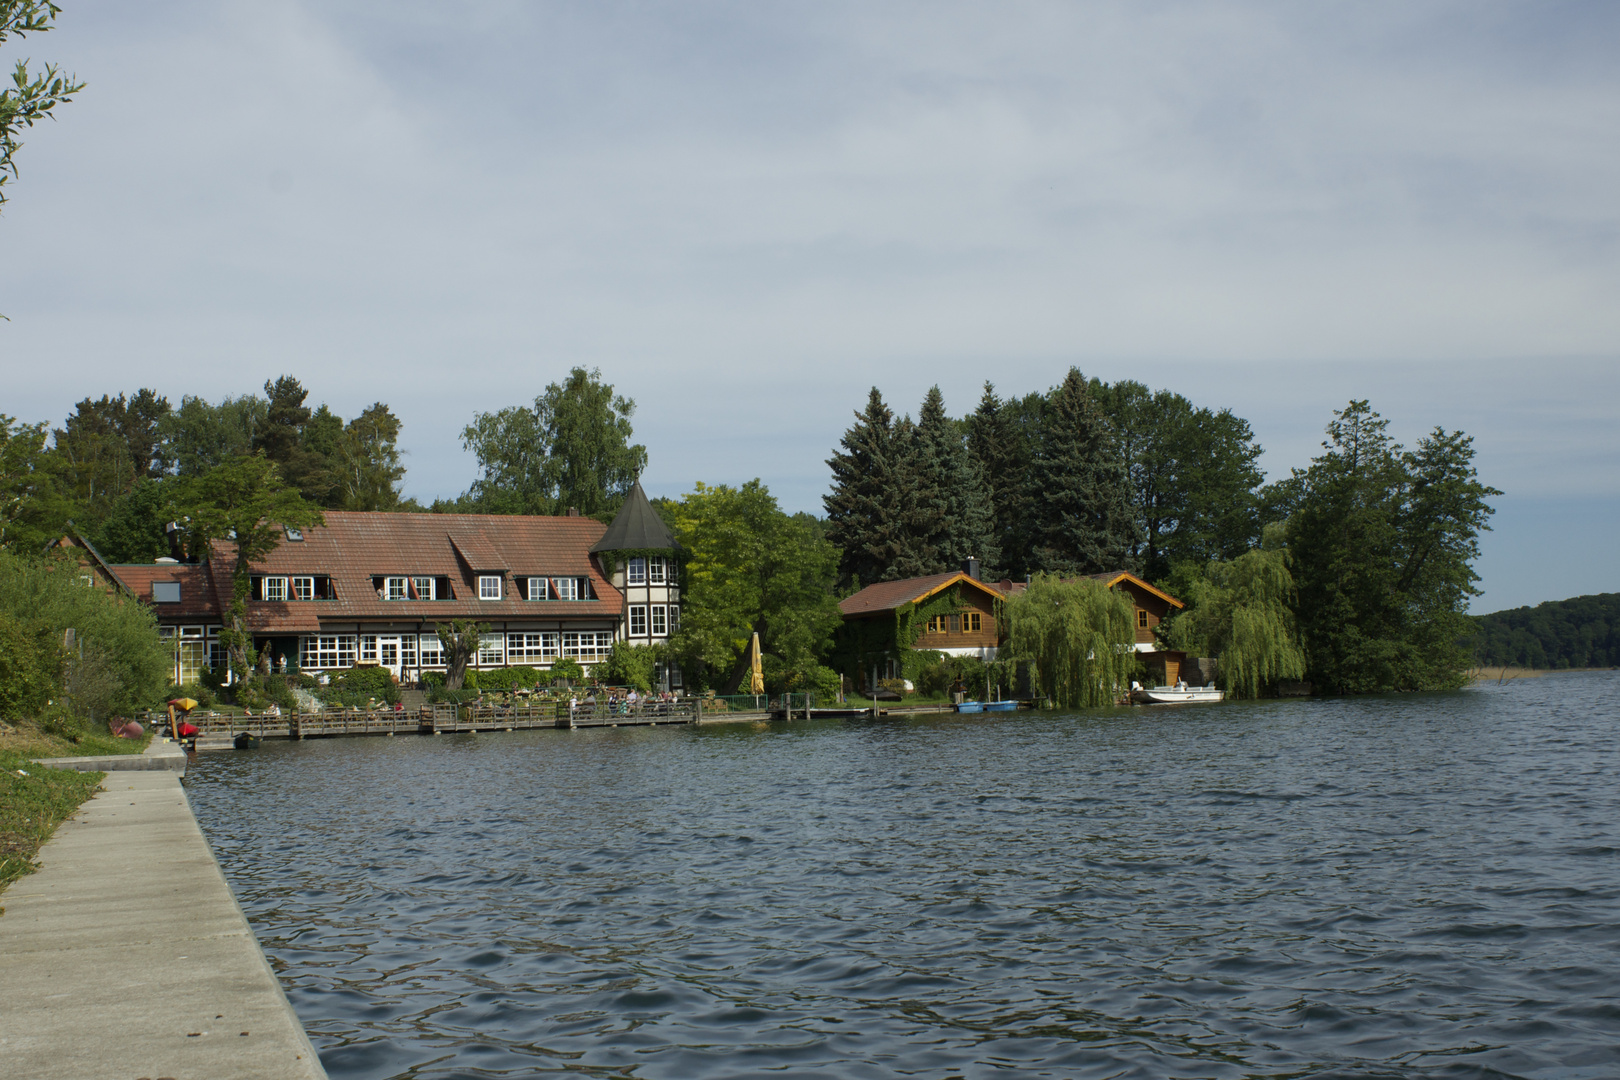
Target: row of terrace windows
(329, 651)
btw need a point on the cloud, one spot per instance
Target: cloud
(747, 214)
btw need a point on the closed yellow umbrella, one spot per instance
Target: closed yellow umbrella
(756, 679)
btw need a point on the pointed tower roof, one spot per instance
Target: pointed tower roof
(637, 527)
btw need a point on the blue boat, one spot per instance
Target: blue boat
(970, 706)
(1000, 706)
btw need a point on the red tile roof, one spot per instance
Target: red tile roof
(199, 598)
(355, 547)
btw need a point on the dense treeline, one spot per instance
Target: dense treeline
(1354, 573)
(1583, 632)
(121, 467)
(1083, 478)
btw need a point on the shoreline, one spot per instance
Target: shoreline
(127, 955)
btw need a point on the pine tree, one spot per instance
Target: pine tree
(1079, 490)
(960, 521)
(869, 490)
(997, 443)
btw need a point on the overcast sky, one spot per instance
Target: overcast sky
(748, 214)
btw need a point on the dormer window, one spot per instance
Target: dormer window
(537, 589)
(275, 588)
(635, 572)
(295, 535)
(396, 588)
(303, 588)
(423, 587)
(489, 587)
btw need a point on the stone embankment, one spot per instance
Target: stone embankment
(126, 955)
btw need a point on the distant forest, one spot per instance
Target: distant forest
(1579, 633)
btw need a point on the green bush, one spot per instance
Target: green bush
(630, 665)
(357, 687)
(567, 668)
(122, 632)
(520, 675)
(433, 679)
(30, 666)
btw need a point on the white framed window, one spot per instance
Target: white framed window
(407, 650)
(586, 645)
(635, 572)
(218, 657)
(165, 631)
(275, 588)
(567, 588)
(638, 620)
(368, 648)
(423, 587)
(193, 632)
(536, 589)
(492, 651)
(674, 618)
(529, 647)
(660, 620)
(489, 586)
(655, 570)
(303, 588)
(327, 651)
(87, 580)
(193, 657)
(432, 650)
(396, 588)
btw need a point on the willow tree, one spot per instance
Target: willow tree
(1242, 612)
(1078, 637)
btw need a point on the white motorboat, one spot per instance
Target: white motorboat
(1180, 694)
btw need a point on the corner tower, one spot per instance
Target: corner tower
(643, 561)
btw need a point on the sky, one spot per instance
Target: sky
(747, 215)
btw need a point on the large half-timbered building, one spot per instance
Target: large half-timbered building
(372, 588)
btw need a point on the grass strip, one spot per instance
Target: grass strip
(33, 802)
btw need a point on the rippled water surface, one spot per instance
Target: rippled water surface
(1394, 887)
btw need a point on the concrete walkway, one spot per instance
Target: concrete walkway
(98, 984)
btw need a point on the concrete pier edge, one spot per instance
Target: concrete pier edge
(127, 955)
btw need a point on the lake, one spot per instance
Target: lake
(1415, 886)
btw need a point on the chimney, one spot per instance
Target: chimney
(173, 532)
(970, 567)
(573, 511)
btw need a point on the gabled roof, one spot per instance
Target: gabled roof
(355, 547)
(637, 527)
(889, 595)
(1109, 579)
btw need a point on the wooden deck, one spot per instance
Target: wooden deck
(218, 729)
(438, 719)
